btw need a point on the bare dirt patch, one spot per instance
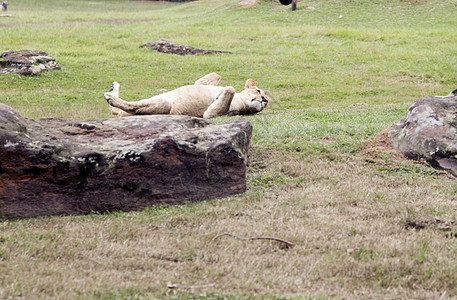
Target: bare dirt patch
(116, 22)
(248, 3)
(381, 146)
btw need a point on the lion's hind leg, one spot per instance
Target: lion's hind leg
(221, 105)
(114, 89)
(143, 107)
(209, 79)
(158, 106)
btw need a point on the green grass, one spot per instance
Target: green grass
(365, 224)
(306, 59)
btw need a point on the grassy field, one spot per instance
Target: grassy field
(366, 224)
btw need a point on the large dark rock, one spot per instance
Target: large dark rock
(26, 62)
(67, 166)
(429, 131)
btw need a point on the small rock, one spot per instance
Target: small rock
(26, 62)
(167, 46)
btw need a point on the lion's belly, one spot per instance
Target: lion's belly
(193, 100)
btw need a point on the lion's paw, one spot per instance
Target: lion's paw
(114, 86)
(108, 97)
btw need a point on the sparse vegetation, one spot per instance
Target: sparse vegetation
(364, 224)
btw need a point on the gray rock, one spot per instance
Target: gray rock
(26, 62)
(67, 166)
(429, 132)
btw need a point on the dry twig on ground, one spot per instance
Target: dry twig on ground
(287, 243)
(189, 287)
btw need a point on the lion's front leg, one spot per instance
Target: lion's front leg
(221, 105)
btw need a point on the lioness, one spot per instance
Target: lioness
(203, 99)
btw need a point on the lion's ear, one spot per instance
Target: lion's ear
(250, 84)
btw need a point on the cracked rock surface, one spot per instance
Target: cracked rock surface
(62, 166)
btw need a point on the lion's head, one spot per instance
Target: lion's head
(254, 98)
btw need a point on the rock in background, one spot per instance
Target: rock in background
(429, 131)
(66, 166)
(166, 46)
(26, 62)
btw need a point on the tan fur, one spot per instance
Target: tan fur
(203, 99)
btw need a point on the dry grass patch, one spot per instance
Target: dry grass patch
(358, 229)
(365, 224)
